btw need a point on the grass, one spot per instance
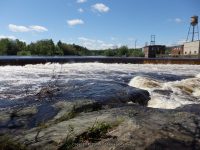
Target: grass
(67, 116)
(68, 144)
(69, 141)
(93, 134)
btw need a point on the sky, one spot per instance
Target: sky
(98, 24)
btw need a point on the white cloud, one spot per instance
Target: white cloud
(94, 44)
(100, 7)
(15, 28)
(8, 37)
(74, 22)
(81, 10)
(178, 20)
(36, 28)
(81, 1)
(86, 39)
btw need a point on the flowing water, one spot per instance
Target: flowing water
(170, 86)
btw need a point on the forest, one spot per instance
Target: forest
(47, 47)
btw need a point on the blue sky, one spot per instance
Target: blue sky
(98, 24)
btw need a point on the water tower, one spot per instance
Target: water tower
(194, 33)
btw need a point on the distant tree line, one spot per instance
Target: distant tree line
(122, 51)
(49, 48)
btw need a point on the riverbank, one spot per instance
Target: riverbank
(24, 60)
(83, 125)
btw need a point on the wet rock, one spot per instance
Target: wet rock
(132, 127)
(106, 92)
(192, 108)
(149, 129)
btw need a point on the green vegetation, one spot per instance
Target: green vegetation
(93, 134)
(67, 116)
(122, 51)
(11, 47)
(49, 48)
(69, 141)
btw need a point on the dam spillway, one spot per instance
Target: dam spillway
(23, 60)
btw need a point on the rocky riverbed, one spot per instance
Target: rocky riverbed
(99, 106)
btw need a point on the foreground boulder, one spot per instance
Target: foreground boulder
(104, 92)
(82, 125)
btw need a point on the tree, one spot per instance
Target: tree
(24, 53)
(4, 46)
(22, 48)
(136, 53)
(10, 47)
(122, 51)
(42, 47)
(110, 52)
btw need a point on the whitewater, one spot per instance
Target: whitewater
(170, 86)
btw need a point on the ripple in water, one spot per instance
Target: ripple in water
(170, 86)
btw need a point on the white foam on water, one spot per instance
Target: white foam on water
(145, 83)
(198, 75)
(169, 95)
(182, 92)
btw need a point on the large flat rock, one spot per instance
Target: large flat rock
(136, 127)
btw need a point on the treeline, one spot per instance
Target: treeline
(40, 48)
(49, 48)
(121, 51)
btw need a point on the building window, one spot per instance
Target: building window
(195, 52)
(185, 52)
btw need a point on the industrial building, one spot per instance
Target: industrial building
(187, 49)
(152, 51)
(192, 48)
(177, 50)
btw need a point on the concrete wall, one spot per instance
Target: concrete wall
(20, 60)
(192, 48)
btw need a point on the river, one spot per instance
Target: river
(170, 86)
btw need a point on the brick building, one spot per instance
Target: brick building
(177, 50)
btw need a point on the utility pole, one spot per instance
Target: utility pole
(135, 43)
